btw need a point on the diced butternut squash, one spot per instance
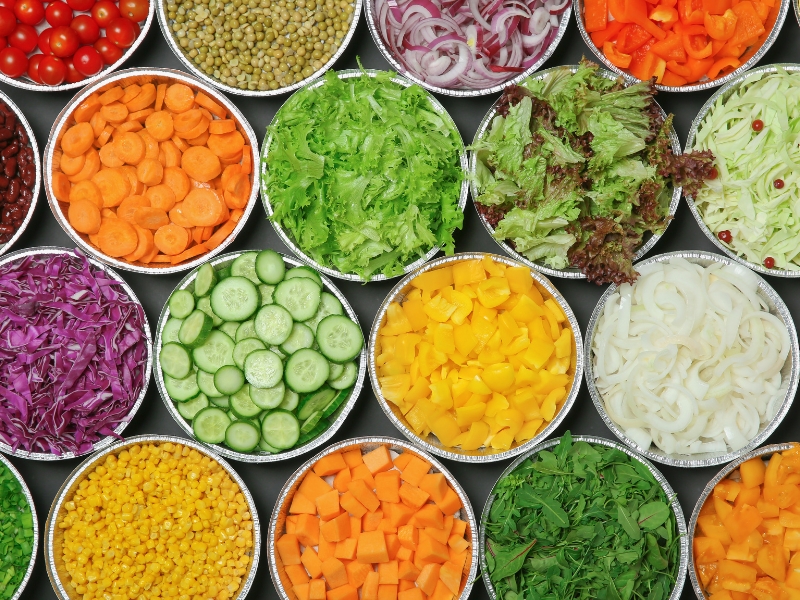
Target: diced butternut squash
(289, 549)
(336, 529)
(426, 581)
(329, 464)
(412, 495)
(311, 562)
(334, 572)
(344, 592)
(415, 470)
(302, 505)
(431, 550)
(372, 547)
(387, 486)
(313, 486)
(328, 505)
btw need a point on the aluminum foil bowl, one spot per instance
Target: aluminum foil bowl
(35, 548)
(285, 236)
(680, 577)
(26, 83)
(724, 93)
(366, 444)
(53, 536)
(105, 441)
(754, 54)
(569, 272)
(513, 78)
(141, 76)
(37, 159)
(431, 443)
(726, 472)
(259, 457)
(166, 27)
(789, 374)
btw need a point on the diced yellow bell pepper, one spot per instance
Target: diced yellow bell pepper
(483, 329)
(548, 408)
(468, 271)
(406, 347)
(520, 279)
(564, 344)
(495, 341)
(461, 393)
(467, 290)
(534, 294)
(511, 302)
(477, 386)
(439, 309)
(443, 339)
(511, 418)
(476, 437)
(441, 396)
(503, 440)
(415, 312)
(508, 328)
(539, 352)
(419, 390)
(493, 268)
(549, 382)
(445, 428)
(427, 359)
(525, 376)
(414, 294)
(555, 310)
(395, 387)
(557, 366)
(537, 329)
(528, 431)
(469, 371)
(433, 280)
(493, 292)
(491, 357)
(396, 321)
(518, 345)
(496, 404)
(464, 339)
(464, 309)
(458, 359)
(527, 403)
(526, 310)
(466, 415)
(499, 376)
(479, 399)
(393, 367)
(416, 419)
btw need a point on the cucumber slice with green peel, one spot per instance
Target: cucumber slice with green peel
(290, 400)
(242, 405)
(181, 390)
(205, 279)
(306, 371)
(269, 267)
(195, 329)
(268, 398)
(171, 329)
(228, 379)
(188, 410)
(300, 337)
(216, 352)
(273, 324)
(221, 401)
(304, 271)
(346, 379)
(280, 429)
(315, 402)
(340, 399)
(224, 273)
(267, 292)
(210, 424)
(263, 368)
(318, 429)
(277, 351)
(245, 266)
(229, 328)
(336, 370)
(300, 296)
(205, 381)
(175, 360)
(242, 436)
(311, 422)
(339, 338)
(181, 304)
(246, 330)
(235, 299)
(204, 304)
(328, 305)
(265, 447)
(245, 347)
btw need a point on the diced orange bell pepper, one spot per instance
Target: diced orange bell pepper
(631, 37)
(749, 26)
(636, 12)
(612, 53)
(681, 70)
(608, 34)
(716, 7)
(782, 495)
(672, 80)
(696, 47)
(707, 550)
(698, 68)
(690, 12)
(722, 64)
(595, 15)
(618, 10)
(762, 9)
(670, 48)
(721, 27)
(665, 15)
(648, 67)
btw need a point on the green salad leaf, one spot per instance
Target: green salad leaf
(364, 174)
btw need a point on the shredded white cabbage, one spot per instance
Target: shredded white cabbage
(689, 358)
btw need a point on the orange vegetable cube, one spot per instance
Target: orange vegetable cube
(372, 547)
(429, 575)
(402, 460)
(371, 521)
(358, 488)
(328, 505)
(782, 495)
(302, 505)
(405, 554)
(301, 591)
(326, 549)
(742, 521)
(711, 526)
(459, 527)
(355, 526)
(329, 464)
(722, 507)
(387, 485)
(352, 505)
(346, 549)
(369, 591)
(752, 472)
(334, 572)
(387, 592)
(707, 550)
(450, 575)
(353, 458)
(413, 593)
(399, 514)
(362, 472)
(440, 535)
(386, 526)
(706, 573)
(451, 503)
(459, 544)
(297, 574)
(289, 549)
(415, 470)
(742, 552)
(316, 589)
(791, 539)
(429, 515)
(793, 577)
(412, 496)
(441, 592)
(407, 571)
(342, 480)
(336, 529)
(459, 558)
(749, 496)
(435, 484)
(311, 562)
(772, 561)
(767, 509)
(344, 592)
(357, 573)
(388, 573)
(408, 536)
(308, 530)
(789, 519)
(431, 550)
(773, 466)
(736, 576)
(727, 489)
(392, 545)
(291, 524)
(313, 486)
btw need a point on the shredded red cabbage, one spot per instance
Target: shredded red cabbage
(73, 353)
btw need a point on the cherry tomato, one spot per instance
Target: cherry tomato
(29, 11)
(135, 10)
(726, 236)
(758, 125)
(104, 12)
(87, 61)
(778, 183)
(13, 62)
(769, 262)
(9, 4)
(73, 74)
(24, 38)
(52, 70)
(33, 67)
(8, 21)
(122, 32)
(44, 41)
(80, 5)
(86, 28)
(64, 41)
(58, 13)
(3, 43)
(110, 52)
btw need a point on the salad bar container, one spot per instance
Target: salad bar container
(35, 548)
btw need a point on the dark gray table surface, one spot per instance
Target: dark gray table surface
(265, 481)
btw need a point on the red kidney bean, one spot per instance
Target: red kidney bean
(17, 173)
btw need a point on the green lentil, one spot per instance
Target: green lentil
(16, 533)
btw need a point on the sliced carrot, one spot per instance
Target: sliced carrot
(229, 172)
(188, 120)
(161, 91)
(150, 171)
(203, 207)
(233, 160)
(114, 186)
(127, 208)
(129, 147)
(144, 99)
(172, 156)
(190, 253)
(171, 239)
(226, 145)
(90, 166)
(107, 213)
(247, 160)
(145, 245)
(197, 130)
(150, 144)
(86, 190)
(87, 109)
(129, 126)
(137, 187)
(236, 215)
(197, 234)
(176, 216)
(200, 140)
(148, 258)
(239, 186)
(61, 186)
(109, 157)
(220, 126)
(233, 201)
(181, 145)
(71, 165)
(201, 185)
(116, 112)
(220, 235)
(201, 164)
(161, 196)
(207, 233)
(130, 92)
(140, 115)
(111, 95)
(104, 136)
(178, 180)
(150, 218)
(77, 139)
(117, 238)
(161, 258)
(179, 97)
(159, 125)
(98, 123)
(206, 113)
(212, 106)
(84, 216)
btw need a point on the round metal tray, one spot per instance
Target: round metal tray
(34, 550)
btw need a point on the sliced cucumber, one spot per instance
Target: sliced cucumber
(188, 410)
(224, 273)
(277, 351)
(195, 329)
(228, 379)
(205, 279)
(268, 398)
(245, 266)
(315, 402)
(216, 352)
(304, 271)
(318, 429)
(270, 267)
(306, 370)
(204, 304)
(266, 291)
(242, 405)
(300, 296)
(311, 422)
(265, 447)
(181, 304)
(245, 347)
(229, 328)
(242, 436)
(263, 368)
(336, 370)
(346, 379)
(235, 299)
(205, 381)
(339, 339)
(171, 329)
(328, 305)
(273, 324)
(181, 390)
(222, 401)
(175, 360)
(246, 330)
(280, 429)
(340, 398)
(301, 337)
(210, 424)
(290, 400)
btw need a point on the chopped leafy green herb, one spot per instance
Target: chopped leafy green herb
(583, 521)
(16, 533)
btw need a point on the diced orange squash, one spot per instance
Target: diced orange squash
(289, 549)
(408, 536)
(291, 524)
(336, 529)
(328, 505)
(387, 485)
(313, 486)
(369, 591)
(297, 574)
(355, 526)
(392, 545)
(752, 472)
(711, 526)
(441, 592)
(316, 589)
(325, 549)
(342, 480)
(431, 550)
(415, 470)
(429, 575)
(405, 554)
(459, 544)
(429, 515)
(358, 488)
(412, 496)
(301, 591)
(346, 549)
(311, 562)
(302, 505)
(334, 572)
(413, 593)
(451, 503)
(372, 547)
(388, 573)
(349, 503)
(308, 530)
(371, 521)
(450, 575)
(459, 527)
(329, 464)
(399, 514)
(353, 458)
(344, 592)
(440, 535)
(386, 526)
(707, 550)
(357, 573)
(407, 571)
(362, 472)
(435, 484)
(459, 558)
(742, 521)
(387, 591)
(402, 460)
